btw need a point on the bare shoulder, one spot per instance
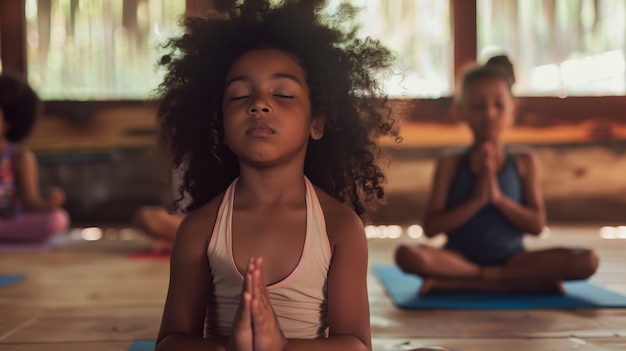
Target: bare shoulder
(526, 160)
(449, 160)
(196, 228)
(342, 223)
(446, 165)
(23, 154)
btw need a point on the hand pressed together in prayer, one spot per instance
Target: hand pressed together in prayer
(255, 326)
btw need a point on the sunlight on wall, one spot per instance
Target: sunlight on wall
(419, 32)
(559, 48)
(97, 49)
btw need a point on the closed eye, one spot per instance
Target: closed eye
(239, 97)
(284, 96)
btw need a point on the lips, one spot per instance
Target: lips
(260, 128)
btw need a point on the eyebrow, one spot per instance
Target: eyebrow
(275, 76)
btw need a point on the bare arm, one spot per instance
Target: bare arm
(437, 218)
(28, 182)
(185, 307)
(530, 215)
(348, 306)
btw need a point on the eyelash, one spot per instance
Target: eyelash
(234, 98)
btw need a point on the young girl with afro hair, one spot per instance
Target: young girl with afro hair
(271, 113)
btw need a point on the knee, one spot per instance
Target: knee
(408, 258)
(54, 222)
(59, 221)
(142, 217)
(587, 263)
(592, 261)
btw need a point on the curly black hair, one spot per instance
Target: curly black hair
(339, 68)
(20, 106)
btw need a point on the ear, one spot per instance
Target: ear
(317, 127)
(455, 112)
(515, 112)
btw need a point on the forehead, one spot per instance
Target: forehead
(486, 86)
(259, 62)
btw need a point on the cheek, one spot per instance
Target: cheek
(509, 118)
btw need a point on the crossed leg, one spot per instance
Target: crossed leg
(158, 224)
(537, 271)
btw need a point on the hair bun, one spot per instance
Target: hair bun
(503, 63)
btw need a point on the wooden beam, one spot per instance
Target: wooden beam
(13, 36)
(198, 8)
(463, 34)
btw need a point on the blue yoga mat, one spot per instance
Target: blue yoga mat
(142, 345)
(403, 288)
(8, 279)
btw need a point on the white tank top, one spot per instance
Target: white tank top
(299, 301)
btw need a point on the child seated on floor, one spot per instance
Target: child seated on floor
(485, 200)
(158, 224)
(274, 113)
(24, 215)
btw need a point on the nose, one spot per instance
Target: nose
(491, 113)
(259, 105)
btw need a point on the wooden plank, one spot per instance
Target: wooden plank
(92, 323)
(91, 297)
(92, 346)
(470, 344)
(486, 324)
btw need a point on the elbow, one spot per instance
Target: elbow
(428, 230)
(537, 228)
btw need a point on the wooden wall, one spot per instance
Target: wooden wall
(583, 156)
(580, 141)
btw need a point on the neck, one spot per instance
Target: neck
(498, 145)
(271, 187)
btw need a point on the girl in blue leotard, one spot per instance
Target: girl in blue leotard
(485, 200)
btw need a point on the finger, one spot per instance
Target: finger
(257, 314)
(243, 318)
(258, 285)
(261, 298)
(246, 317)
(259, 281)
(249, 277)
(248, 283)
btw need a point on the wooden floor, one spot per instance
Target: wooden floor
(90, 296)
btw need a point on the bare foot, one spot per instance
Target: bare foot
(558, 288)
(427, 286)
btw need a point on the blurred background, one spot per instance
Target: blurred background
(93, 62)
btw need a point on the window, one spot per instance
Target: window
(97, 49)
(419, 33)
(559, 47)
